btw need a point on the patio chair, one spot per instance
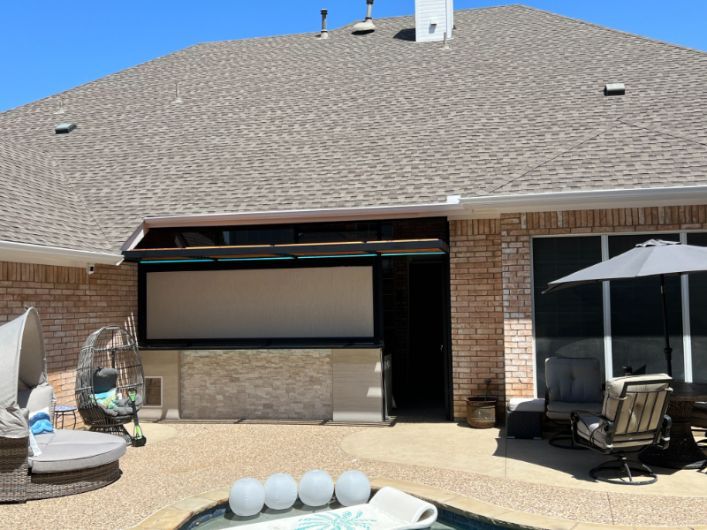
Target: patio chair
(109, 371)
(633, 418)
(699, 420)
(571, 384)
(63, 462)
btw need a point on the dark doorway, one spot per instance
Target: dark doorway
(419, 345)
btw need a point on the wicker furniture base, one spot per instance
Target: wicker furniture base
(43, 486)
(18, 484)
(14, 472)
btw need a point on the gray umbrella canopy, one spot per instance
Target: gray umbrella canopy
(652, 258)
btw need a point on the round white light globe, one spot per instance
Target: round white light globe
(352, 487)
(247, 497)
(280, 491)
(316, 488)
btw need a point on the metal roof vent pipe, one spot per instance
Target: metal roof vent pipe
(367, 26)
(324, 34)
(614, 89)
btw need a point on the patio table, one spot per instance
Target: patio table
(683, 452)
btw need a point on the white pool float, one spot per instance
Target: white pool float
(389, 509)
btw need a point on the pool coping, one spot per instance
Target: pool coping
(173, 516)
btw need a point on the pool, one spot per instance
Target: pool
(221, 517)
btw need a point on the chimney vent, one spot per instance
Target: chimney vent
(434, 20)
(324, 34)
(367, 26)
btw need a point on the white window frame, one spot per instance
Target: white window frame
(606, 299)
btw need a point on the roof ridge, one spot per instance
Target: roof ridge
(613, 30)
(665, 132)
(586, 138)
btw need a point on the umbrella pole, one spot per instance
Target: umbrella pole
(668, 350)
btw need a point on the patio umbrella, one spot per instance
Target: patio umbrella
(652, 258)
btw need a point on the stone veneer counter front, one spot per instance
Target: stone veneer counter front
(277, 384)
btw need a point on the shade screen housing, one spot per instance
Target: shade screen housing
(316, 302)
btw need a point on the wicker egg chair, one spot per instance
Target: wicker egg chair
(109, 363)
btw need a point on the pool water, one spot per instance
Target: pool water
(222, 517)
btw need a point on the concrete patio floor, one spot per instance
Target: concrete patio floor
(183, 460)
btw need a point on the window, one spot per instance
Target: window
(636, 316)
(567, 322)
(698, 315)
(153, 391)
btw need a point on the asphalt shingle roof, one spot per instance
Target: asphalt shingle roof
(515, 106)
(38, 205)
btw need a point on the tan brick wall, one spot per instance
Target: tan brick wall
(71, 305)
(516, 233)
(476, 309)
(270, 384)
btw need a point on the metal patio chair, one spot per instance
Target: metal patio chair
(633, 417)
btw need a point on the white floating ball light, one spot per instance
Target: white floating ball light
(280, 491)
(316, 488)
(247, 497)
(352, 487)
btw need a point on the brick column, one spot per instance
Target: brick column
(476, 309)
(517, 305)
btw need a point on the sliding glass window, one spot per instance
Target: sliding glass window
(568, 322)
(698, 315)
(636, 317)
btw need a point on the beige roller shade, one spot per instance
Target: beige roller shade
(260, 303)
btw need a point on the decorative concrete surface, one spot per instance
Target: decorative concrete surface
(183, 460)
(487, 452)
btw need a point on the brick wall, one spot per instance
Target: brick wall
(516, 233)
(476, 309)
(71, 305)
(271, 384)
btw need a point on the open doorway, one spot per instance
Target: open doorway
(416, 337)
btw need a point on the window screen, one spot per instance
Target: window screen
(636, 316)
(316, 302)
(698, 315)
(568, 322)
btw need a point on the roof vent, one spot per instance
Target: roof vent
(324, 34)
(367, 26)
(614, 89)
(64, 128)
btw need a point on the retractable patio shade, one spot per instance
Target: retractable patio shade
(22, 365)
(299, 250)
(653, 258)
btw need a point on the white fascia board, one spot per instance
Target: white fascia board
(447, 208)
(491, 206)
(47, 255)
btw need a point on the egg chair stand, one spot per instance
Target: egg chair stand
(110, 382)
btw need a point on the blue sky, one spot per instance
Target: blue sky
(48, 46)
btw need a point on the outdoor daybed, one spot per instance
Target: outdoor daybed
(69, 461)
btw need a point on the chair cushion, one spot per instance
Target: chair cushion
(526, 405)
(104, 379)
(639, 383)
(35, 399)
(65, 450)
(591, 428)
(699, 415)
(561, 410)
(573, 379)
